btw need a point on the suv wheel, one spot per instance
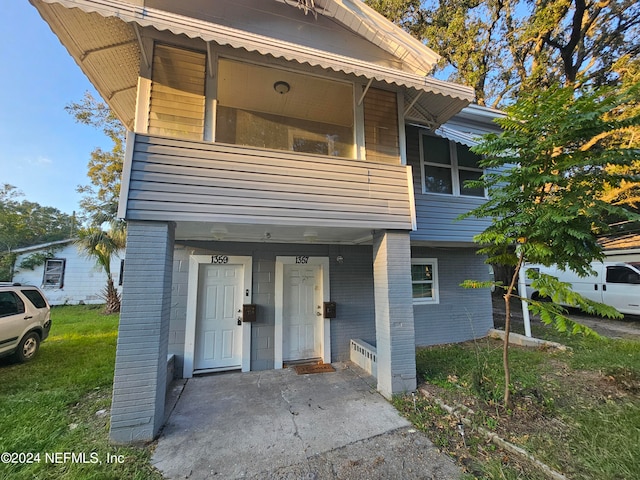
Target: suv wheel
(28, 347)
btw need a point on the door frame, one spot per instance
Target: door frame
(281, 261)
(193, 288)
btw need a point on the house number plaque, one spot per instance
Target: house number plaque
(219, 259)
(301, 259)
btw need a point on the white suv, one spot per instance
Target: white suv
(25, 320)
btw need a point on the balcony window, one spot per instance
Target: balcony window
(447, 165)
(271, 108)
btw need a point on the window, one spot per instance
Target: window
(622, 275)
(54, 272)
(10, 304)
(424, 280)
(305, 114)
(121, 274)
(35, 298)
(447, 165)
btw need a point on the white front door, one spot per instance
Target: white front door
(302, 312)
(218, 339)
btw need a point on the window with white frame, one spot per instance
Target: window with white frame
(447, 165)
(54, 272)
(424, 280)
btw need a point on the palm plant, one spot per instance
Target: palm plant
(101, 245)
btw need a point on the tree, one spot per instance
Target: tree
(24, 223)
(102, 245)
(100, 200)
(545, 175)
(100, 197)
(502, 48)
(627, 193)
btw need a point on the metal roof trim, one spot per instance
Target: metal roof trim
(457, 136)
(379, 30)
(210, 32)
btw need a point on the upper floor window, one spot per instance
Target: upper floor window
(54, 272)
(272, 108)
(447, 165)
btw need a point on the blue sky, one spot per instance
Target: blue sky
(43, 152)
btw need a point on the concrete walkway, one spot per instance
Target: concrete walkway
(279, 425)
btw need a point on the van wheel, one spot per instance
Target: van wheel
(28, 347)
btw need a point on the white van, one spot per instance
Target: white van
(616, 284)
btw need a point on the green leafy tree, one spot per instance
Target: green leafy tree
(502, 48)
(628, 192)
(545, 175)
(24, 223)
(100, 196)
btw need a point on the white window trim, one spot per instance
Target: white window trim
(436, 290)
(453, 168)
(60, 283)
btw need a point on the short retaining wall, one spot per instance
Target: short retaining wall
(517, 339)
(365, 356)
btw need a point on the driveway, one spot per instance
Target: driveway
(277, 424)
(628, 327)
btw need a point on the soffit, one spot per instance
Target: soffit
(103, 38)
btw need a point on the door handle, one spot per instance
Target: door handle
(28, 317)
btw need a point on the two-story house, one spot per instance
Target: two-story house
(292, 179)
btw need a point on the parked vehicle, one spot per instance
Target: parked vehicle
(25, 320)
(616, 284)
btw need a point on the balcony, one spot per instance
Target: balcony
(190, 181)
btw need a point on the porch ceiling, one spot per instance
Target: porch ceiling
(271, 233)
(103, 36)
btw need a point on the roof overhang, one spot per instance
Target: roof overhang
(458, 136)
(469, 125)
(103, 36)
(366, 22)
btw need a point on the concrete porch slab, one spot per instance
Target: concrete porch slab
(277, 424)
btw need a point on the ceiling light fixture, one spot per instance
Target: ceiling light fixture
(281, 87)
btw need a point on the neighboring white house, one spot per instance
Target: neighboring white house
(66, 275)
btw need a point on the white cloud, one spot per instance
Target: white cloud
(41, 161)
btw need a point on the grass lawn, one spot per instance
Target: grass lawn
(54, 409)
(577, 411)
